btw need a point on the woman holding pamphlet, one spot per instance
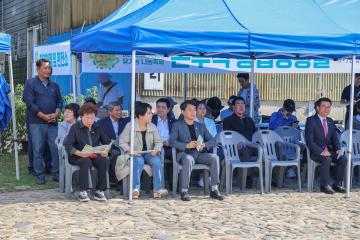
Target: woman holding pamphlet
(147, 148)
(84, 147)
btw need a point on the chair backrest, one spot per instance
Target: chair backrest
(344, 141)
(267, 139)
(289, 134)
(229, 141)
(64, 155)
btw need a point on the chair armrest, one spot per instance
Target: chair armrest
(162, 155)
(173, 152)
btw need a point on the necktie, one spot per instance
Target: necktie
(325, 127)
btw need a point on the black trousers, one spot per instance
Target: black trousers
(246, 153)
(168, 168)
(85, 164)
(114, 153)
(325, 163)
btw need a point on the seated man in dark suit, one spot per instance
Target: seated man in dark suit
(164, 122)
(324, 146)
(184, 136)
(113, 125)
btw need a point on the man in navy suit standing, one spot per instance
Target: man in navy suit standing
(321, 138)
(113, 126)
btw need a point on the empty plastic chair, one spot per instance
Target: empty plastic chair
(229, 141)
(355, 154)
(268, 139)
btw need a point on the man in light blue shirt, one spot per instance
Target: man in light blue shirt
(244, 92)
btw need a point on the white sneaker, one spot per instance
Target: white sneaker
(99, 196)
(160, 193)
(135, 194)
(83, 196)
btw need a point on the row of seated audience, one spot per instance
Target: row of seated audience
(153, 132)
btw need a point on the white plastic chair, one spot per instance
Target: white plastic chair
(177, 170)
(291, 135)
(268, 139)
(355, 156)
(229, 141)
(58, 142)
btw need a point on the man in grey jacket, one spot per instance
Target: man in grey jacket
(185, 137)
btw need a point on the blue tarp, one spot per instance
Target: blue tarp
(231, 28)
(5, 43)
(345, 13)
(5, 106)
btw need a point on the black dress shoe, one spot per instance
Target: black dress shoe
(216, 195)
(40, 180)
(339, 188)
(185, 196)
(327, 189)
(55, 178)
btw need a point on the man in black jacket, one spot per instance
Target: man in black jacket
(321, 138)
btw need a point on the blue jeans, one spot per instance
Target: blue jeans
(40, 135)
(157, 170)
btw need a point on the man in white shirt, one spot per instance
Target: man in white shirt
(164, 124)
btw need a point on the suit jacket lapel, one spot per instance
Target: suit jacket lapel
(318, 120)
(197, 130)
(111, 127)
(329, 126)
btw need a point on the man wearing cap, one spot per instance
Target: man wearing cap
(284, 116)
(244, 92)
(109, 91)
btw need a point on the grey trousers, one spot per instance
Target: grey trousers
(188, 161)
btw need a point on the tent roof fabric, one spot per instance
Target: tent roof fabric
(128, 7)
(345, 13)
(5, 43)
(226, 28)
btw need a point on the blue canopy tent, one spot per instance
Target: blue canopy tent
(5, 47)
(222, 28)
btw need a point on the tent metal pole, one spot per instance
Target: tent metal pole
(78, 76)
(185, 85)
(11, 75)
(73, 76)
(132, 136)
(252, 88)
(348, 169)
